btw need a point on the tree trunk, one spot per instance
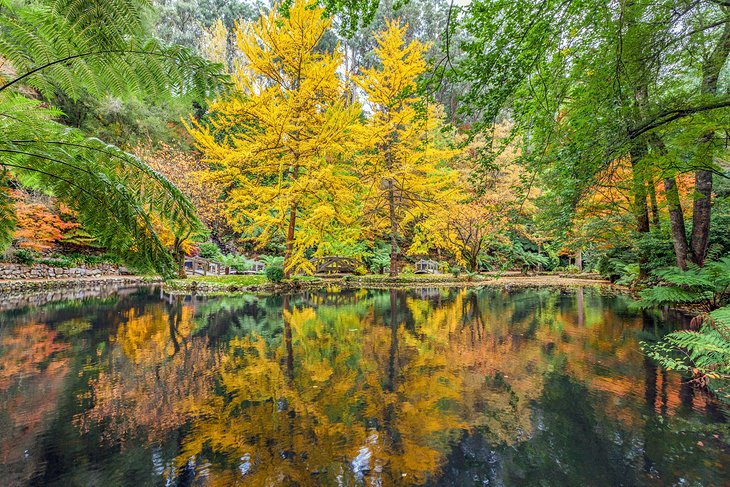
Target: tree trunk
(654, 205)
(674, 205)
(641, 210)
(676, 222)
(701, 212)
(702, 207)
(393, 231)
(290, 231)
(290, 240)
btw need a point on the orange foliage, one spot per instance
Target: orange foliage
(39, 225)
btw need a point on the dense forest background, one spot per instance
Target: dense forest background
(580, 135)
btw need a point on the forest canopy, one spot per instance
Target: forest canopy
(483, 135)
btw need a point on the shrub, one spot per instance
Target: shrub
(455, 271)
(570, 269)
(272, 260)
(380, 259)
(275, 272)
(629, 275)
(57, 262)
(209, 250)
(360, 270)
(24, 256)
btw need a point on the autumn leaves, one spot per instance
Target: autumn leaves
(319, 159)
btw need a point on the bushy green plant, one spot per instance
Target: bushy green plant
(360, 270)
(275, 272)
(629, 275)
(63, 262)
(209, 250)
(89, 259)
(528, 261)
(238, 262)
(455, 271)
(704, 354)
(272, 260)
(570, 269)
(706, 286)
(380, 260)
(24, 256)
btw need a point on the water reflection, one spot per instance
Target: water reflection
(438, 387)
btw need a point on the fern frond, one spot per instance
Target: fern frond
(7, 215)
(119, 199)
(99, 47)
(705, 354)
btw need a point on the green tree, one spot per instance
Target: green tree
(590, 83)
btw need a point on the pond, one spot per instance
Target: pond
(420, 387)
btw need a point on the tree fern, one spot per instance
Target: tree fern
(97, 47)
(706, 286)
(703, 354)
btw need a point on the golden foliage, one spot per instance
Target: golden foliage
(403, 164)
(278, 142)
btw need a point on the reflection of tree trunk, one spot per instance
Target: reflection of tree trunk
(478, 320)
(391, 386)
(581, 311)
(393, 340)
(173, 320)
(650, 389)
(665, 397)
(288, 341)
(650, 393)
(687, 395)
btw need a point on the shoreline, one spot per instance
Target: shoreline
(19, 287)
(178, 287)
(43, 284)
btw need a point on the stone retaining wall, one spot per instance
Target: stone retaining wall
(21, 293)
(42, 271)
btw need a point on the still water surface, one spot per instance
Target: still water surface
(422, 387)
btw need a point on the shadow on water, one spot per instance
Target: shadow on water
(369, 387)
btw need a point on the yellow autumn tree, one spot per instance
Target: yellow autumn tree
(402, 165)
(278, 140)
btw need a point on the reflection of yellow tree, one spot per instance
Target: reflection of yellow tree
(500, 373)
(338, 398)
(157, 376)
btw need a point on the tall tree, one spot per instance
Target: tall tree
(279, 138)
(590, 83)
(403, 166)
